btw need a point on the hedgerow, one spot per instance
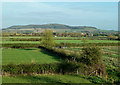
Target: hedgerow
(36, 45)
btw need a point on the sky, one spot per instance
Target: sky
(103, 15)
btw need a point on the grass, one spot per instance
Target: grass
(45, 79)
(17, 56)
(66, 41)
(27, 37)
(22, 37)
(20, 41)
(88, 41)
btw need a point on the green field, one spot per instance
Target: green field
(27, 37)
(45, 79)
(40, 56)
(88, 41)
(20, 42)
(66, 41)
(17, 56)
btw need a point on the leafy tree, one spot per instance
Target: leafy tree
(91, 55)
(47, 39)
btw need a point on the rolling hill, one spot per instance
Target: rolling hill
(55, 27)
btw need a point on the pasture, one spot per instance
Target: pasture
(66, 41)
(35, 55)
(32, 55)
(88, 41)
(37, 37)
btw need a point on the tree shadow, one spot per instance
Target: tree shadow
(29, 49)
(54, 56)
(41, 79)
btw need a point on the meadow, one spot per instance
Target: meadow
(36, 39)
(88, 41)
(27, 56)
(56, 38)
(66, 41)
(40, 56)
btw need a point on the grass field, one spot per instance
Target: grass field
(40, 56)
(17, 56)
(66, 41)
(40, 37)
(27, 37)
(45, 79)
(88, 41)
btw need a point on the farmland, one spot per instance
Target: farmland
(66, 41)
(62, 43)
(39, 56)
(31, 55)
(89, 41)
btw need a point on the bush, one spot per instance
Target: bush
(86, 44)
(31, 68)
(36, 45)
(21, 45)
(91, 55)
(25, 39)
(95, 79)
(69, 67)
(88, 61)
(39, 68)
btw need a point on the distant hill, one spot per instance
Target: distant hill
(55, 27)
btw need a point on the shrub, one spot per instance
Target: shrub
(31, 68)
(91, 55)
(95, 79)
(69, 67)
